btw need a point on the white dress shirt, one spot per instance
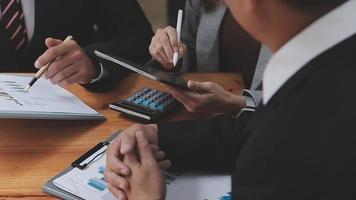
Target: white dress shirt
(325, 33)
(28, 8)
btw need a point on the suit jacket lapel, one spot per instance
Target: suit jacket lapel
(297, 81)
(207, 39)
(5, 46)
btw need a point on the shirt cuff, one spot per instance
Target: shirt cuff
(250, 99)
(101, 74)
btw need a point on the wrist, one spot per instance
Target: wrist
(93, 71)
(236, 104)
(95, 67)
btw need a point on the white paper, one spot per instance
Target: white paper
(192, 187)
(43, 97)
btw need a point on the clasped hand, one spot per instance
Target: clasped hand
(135, 164)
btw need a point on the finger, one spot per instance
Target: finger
(63, 74)
(117, 166)
(154, 148)
(164, 165)
(159, 155)
(177, 94)
(172, 34)
(182, 50)
(162, 53)
(50, 42)
(113, 161)
(119, 194)
(156, 45)
(127, 142)
(53, 53)
(205, 87)
(58, 66)
(166, 44)
(132, 160)
(144, 150)
(188, 99)
(186, 96)
(157, 56)
(70, 79)
(186, 102)
(116, 181)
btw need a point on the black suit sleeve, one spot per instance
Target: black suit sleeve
(127, 33)
(204, 145)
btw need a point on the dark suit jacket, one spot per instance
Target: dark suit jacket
(301, 145)
(123, 30)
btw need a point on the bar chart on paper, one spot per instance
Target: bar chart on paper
(13, 94)
(99, 183)
(43, 101)
(90, 184)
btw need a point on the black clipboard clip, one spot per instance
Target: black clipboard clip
(77, 163)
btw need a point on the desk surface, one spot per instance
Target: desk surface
(32, 151)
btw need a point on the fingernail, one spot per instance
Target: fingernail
(37, 64)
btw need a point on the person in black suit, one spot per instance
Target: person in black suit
(31, 32)
(300, 144)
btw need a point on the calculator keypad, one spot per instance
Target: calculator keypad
(152, 99)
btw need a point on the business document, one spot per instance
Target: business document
(43, 101)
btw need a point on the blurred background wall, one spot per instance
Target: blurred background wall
(156, 11)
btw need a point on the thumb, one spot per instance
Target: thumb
(204, 87)
(144, 149)
(50, 42)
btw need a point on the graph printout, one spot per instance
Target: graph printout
(43, 97)
(90, 184)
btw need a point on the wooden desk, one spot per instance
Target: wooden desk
(32, 151)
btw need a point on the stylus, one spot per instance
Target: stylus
(179, 29)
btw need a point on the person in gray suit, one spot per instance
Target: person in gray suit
(212, 41)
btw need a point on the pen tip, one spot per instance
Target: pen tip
(27, 88)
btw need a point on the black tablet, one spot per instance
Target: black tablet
(149, 72)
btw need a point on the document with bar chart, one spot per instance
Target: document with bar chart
(90, 184)
(43, 101)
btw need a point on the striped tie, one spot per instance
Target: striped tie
(14, 23)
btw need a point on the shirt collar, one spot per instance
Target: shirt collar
(320, 36)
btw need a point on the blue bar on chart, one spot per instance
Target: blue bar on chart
(227, 197)
(101, 170)
(97, 184)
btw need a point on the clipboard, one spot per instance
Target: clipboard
(52, 189)
(179, 185)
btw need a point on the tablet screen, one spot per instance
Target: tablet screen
(149, 72)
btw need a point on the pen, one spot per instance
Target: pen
(179, 29)
(43, 68)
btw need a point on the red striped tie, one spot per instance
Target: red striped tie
(14, 23)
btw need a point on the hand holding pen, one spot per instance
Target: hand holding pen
(43, 69)
(166, 46)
